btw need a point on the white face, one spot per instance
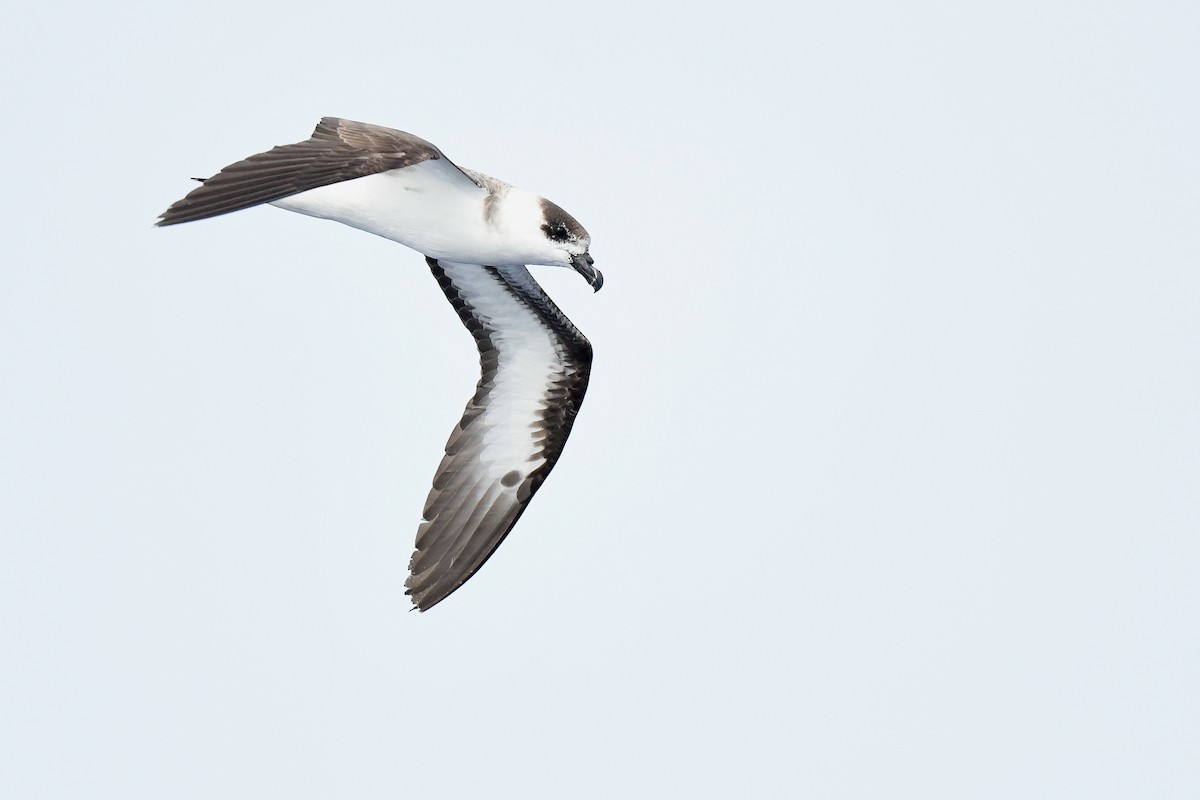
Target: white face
(543, 232)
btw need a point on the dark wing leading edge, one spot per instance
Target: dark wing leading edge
(535, 367)
(339, 150)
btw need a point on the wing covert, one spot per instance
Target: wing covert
(535, 366)
(339, 150)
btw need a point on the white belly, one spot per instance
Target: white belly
(426, 207)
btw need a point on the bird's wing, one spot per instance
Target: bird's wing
(339, 150)
(535, 366)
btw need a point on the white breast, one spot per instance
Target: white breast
(431, 207)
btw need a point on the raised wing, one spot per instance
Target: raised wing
(339, 150)
(535, 366)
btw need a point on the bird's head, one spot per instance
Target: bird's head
(564, 233)
(547, 234)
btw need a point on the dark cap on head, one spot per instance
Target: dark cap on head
(559, 226)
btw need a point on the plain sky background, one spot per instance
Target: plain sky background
(885, 486)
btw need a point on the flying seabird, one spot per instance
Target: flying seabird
(477, 234)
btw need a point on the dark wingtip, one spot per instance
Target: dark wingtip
(172, 216)
(425, 599)
(167, 218)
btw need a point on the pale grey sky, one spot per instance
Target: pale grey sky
(885, 486)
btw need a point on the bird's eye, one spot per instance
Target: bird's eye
(557, 232)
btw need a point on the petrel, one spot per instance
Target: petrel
(477, 234)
